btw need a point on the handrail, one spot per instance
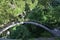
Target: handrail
(55, 32)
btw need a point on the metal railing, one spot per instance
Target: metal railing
(55, 31)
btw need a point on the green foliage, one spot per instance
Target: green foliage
(19, 32)
(46, 12)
